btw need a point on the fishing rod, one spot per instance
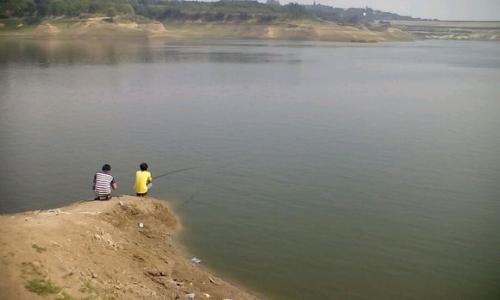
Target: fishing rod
(174, 171)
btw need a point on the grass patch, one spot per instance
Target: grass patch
(42, 287)
(38, 248)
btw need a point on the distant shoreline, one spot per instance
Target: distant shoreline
(305, 30)
(123, 248)
(301, 29)
(451, 30)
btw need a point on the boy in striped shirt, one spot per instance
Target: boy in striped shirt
(103, 183)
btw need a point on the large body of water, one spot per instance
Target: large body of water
(324, 170)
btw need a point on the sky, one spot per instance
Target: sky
(478, 10)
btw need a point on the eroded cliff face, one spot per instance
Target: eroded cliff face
(98, 27)
(293, 30)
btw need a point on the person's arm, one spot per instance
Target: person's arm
(113, 184)
(150, 179)
(93, 182)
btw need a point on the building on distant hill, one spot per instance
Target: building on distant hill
(232, 1)
(273, 2)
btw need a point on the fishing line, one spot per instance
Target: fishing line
(174, 171)
(179, 171)
(197, 192)
(189, 199)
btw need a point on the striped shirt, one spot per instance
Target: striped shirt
(102, 183)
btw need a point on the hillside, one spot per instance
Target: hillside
(225, 19)
(192, 19)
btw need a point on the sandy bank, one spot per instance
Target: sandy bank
(97, 250)
(299, 30)
(291, 30)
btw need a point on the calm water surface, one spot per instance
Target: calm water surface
(324, 171)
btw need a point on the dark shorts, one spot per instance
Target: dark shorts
(141, 194)
(103, 197)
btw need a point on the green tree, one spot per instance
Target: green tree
(41, 7)
(17, 8)
(295, 10)
(125, 9)
(56, 8)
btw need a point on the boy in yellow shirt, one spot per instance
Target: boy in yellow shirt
(143, 180)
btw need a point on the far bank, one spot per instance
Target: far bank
(306, 30)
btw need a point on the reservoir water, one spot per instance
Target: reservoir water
(323, 170)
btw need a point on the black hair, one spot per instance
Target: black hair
(106, 167)
(143, 166)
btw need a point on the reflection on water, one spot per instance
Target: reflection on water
(46, 52)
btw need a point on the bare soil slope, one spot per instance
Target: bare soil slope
(100, 250)
(304, 30)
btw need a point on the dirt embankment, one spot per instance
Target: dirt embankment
(117, 249)
(290, 30)
(85, 28)
(299, 30)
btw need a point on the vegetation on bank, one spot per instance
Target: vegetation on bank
(192, 19)
(33, 11)
(42, 287)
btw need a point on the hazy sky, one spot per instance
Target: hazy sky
(441, 9)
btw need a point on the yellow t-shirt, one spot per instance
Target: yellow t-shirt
(141, 181)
